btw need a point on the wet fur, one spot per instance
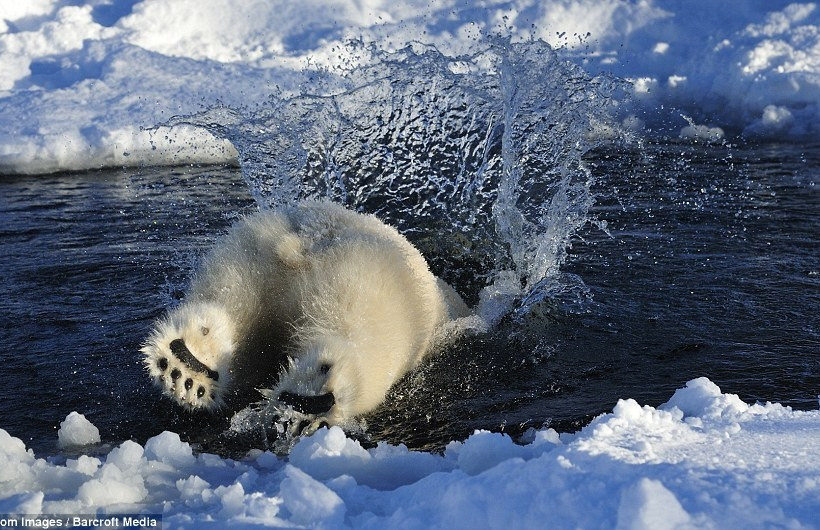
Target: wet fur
(333, 302)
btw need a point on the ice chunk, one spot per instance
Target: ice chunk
(77, 430)
(267, 460)
(128, 456)
(15, 466)
(484, 450)
(86, 465)
(167, 448)
(112, 486)
(775, 120)
(703, 398)
(328, 443)
(193, 488)
(328, 454)
(233, 500)
(12, 447)
(701, 132)
(309, 501)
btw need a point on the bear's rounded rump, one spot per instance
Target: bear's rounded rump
(329, 306)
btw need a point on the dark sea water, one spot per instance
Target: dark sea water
(709, 265)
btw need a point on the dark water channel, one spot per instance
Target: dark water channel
(711, 267)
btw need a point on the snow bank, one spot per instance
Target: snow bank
(749, 67)
(702, 460)
(80, 84)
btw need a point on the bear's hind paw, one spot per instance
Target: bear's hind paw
(187, 381)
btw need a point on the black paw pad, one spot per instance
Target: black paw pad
(308, 404)
(181, 352)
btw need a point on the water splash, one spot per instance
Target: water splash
(482, 151)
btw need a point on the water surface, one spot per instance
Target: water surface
(710, 267)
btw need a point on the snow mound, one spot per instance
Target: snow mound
(704, 459)
(77, 430)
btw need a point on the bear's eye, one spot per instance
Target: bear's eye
(204, 330)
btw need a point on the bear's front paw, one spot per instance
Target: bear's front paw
(182, 377)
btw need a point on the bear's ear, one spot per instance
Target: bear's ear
(312, 405)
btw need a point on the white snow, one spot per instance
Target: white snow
(80, 82)
(77, 430)
(85, 85)
(704, 459)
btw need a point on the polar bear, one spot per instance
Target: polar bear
(336, 303)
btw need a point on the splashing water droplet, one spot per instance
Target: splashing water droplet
(484, 151)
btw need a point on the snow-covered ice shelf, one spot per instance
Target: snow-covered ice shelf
(702, 460)
(81, 82)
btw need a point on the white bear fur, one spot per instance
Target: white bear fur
(291, 290)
